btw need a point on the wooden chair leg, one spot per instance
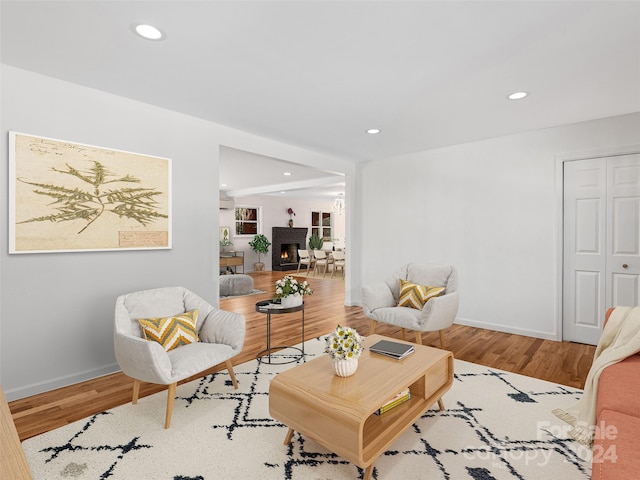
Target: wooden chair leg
(404, 333)
(232, 374)
(419, 338)
(136, 391)
(441, 404)
(373, 326)
(170, 396)
(442, 340)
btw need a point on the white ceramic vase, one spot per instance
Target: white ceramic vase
(345, 367)
(291, 301)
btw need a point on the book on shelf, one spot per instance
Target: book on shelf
(392, 349)
(397, 399)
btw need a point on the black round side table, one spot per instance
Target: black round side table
(272, 308)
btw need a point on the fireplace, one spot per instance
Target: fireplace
(286, 241)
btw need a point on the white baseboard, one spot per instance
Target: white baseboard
(500, 328)
(507, 329)
(65, 381)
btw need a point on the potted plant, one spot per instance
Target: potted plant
(290, 291)
(224, 244)
(344, 345)
(260, 244)
(315, 242)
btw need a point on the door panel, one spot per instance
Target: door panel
(584, 253)
(625, 226)
(587, 305)
(623, 231)
(588, 224)
(625, 290)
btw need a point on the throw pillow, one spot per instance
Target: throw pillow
(416, 296)
(171, 332)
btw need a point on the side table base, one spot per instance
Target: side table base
(267, 356)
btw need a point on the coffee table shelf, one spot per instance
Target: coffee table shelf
(339, 413)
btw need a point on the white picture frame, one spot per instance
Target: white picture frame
(72, 197)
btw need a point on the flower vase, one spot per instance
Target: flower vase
(291, 301)
(344, 367)
(291, 222)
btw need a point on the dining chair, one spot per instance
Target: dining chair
(322, 259)
(338, 262)
(305, 258)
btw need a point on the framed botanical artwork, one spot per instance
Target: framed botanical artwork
(225, 236)
(71, 197)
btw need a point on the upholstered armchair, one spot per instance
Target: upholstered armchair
(220, 336)
(380, 300)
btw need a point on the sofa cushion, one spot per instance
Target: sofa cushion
(171, 332)
(616, 449)
(415, 296)
(618, 387)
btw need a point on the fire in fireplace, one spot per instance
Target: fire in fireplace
(289, 253)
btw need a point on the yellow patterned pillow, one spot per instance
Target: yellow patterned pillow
(171, 332)
(416, 296)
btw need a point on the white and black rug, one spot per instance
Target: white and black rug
(497, 425)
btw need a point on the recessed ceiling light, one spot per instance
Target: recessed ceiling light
(287, 174)
(517, 95)
(149, 32)
(223, 184)
(283, 192)
(373, 131)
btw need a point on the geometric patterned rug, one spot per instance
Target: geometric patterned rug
(496, 426)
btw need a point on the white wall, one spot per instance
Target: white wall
(274, 214)
(489, 208)
(56, 309)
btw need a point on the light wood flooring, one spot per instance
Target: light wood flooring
(560, 362)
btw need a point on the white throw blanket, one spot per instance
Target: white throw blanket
(620, 339)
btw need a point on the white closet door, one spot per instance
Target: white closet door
(601, 242)
(623, 231)
(584, 250)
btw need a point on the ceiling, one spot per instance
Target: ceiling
(317, 74)
(244, 173)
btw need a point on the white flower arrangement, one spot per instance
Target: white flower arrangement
(344, 344)
(290, 286)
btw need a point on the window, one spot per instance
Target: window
(247, 221)
(321, 224)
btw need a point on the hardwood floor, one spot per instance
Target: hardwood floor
(560, 362)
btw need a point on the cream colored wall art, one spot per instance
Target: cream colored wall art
(70, 197)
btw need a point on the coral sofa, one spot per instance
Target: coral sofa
(616, 447)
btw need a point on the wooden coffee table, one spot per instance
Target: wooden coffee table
(339, 413)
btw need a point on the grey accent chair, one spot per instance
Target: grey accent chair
(221, 336)
(380, 300)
